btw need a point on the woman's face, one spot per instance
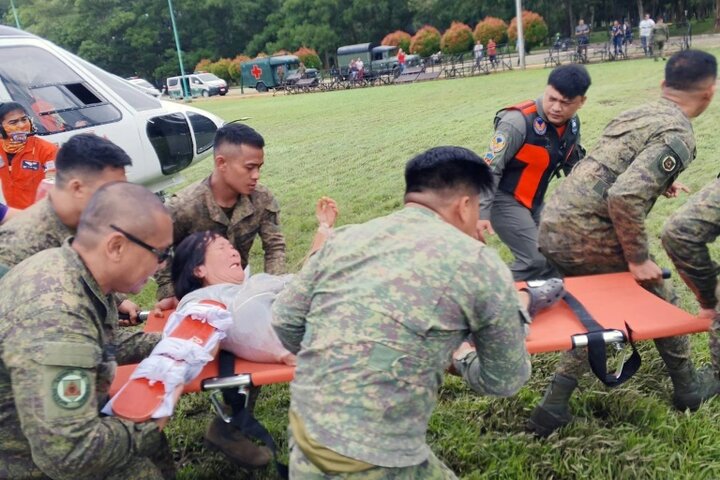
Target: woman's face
(222, 264)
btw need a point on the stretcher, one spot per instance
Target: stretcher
(623, 311)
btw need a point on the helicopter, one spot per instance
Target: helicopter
(66, 95)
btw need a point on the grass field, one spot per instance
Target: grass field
(352, 145)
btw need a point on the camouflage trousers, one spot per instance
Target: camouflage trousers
(160, 466)
(431, 469)
(714, 340)
(675, 351)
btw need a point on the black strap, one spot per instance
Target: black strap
(242, 418)
(597, 354)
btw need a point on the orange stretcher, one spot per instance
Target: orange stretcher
(626, 311)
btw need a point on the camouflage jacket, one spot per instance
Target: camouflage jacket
(59, 347)
(376, 315)
(194, 209)
(686, 236)
(603, 203)
(33, 230)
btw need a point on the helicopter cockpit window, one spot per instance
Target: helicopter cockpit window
(137, 99)
(59, 99)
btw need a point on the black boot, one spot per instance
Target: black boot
(691, 387)
(553, 412)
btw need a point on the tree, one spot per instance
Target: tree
(309, 57)
(426, 41)
(398, 38)
(456, 39)
(491, 27)
(534, 29)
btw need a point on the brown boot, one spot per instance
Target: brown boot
(237, 447)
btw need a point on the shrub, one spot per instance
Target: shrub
(282, 51)
(535, 29)
(309, 57)
(426, 41)
(234, 68)
(203, 65)
(398, 38)
(261, 55)
(491, 27)
(221, 68)
(457, 39)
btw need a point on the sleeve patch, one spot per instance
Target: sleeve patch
(71, 389)
(498, 143)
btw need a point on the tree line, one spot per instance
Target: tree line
(134, 37)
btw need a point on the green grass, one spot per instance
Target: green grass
(352, 145)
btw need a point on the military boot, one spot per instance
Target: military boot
(691, 387)
(237, 447)
(553, 412)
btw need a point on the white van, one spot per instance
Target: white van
(197, 85)
(67, 95)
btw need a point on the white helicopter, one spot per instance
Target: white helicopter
(67, 95)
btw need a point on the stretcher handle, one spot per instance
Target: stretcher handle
(241, 380)
(216, 385)
(142, 316)
(609, 337)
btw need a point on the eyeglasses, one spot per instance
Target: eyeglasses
(162, 255)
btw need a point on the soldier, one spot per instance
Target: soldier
(379, 311)
(59, 346)
(84, 163)
(685, 237)
(595, 221)
(232, 203)
(533, 140)
(25, 159)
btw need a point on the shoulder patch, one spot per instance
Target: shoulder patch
(498, 142)
(71, 388)
(489, 157)
(669, 163)
(574, 126)
(539, 126)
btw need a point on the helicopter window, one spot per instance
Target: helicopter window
(171, 139)
(60, 99)
(138, 100)
(204, 129)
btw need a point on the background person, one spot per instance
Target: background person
(646, 33)
(25, 159)
(59, 346)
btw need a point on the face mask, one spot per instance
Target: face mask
(17, 136)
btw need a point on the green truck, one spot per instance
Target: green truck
(272, 72)
(377, 59)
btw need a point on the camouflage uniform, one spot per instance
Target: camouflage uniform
(59, 348)
(594, 222)
(376, 315)
(34, 230)
(194, 209)
(685, 237)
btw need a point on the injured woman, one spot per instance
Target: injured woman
(207, 267)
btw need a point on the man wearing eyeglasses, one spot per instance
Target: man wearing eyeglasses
(59, 346)
(25, 159)
(84, 163)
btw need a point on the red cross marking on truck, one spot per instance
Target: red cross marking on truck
(256, 72)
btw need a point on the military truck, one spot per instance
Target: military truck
(377, 59)
(272, 72)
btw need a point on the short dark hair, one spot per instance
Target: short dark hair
(190, 254)
(238, 134)
(570, 80)
(87, 153)
(8, 107)
(688, 69)
(447, 168)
